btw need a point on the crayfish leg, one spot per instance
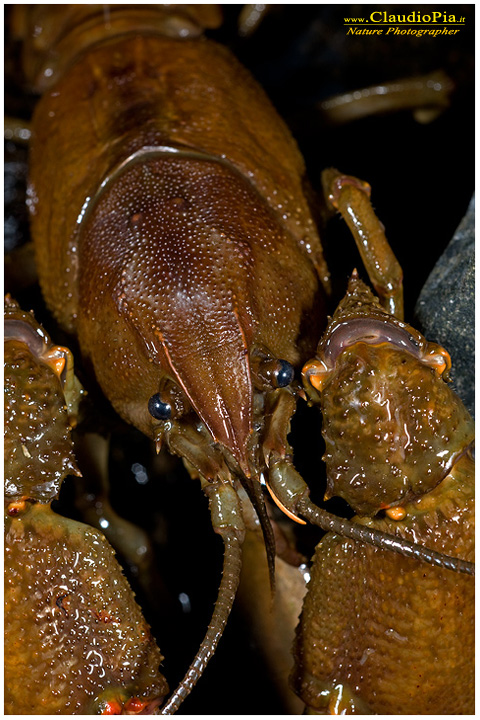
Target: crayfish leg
(427, 96)
(203, 459)
(250, 18)
(351, 197)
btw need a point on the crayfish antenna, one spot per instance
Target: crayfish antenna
(232, 563)
(227, 521)
(332, 523)
(255, 494)
(293, 493)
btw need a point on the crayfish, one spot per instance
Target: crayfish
(66, 599)
(399, 442)
(177, 241)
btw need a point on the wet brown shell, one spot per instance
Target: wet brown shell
(380, 633)
(37, 443)
(73, 632)
(182, 232)
(391, 426)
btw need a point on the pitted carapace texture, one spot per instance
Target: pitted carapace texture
(186, 270)
(73, 631)
(142, 91)
(38, 449)
(376, 627)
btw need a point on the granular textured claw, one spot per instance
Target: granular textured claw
(72, 626)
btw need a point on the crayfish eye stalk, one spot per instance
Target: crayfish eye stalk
(283, 374)
(165, 407)
(270, 373)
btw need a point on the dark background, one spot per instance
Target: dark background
(422, 179)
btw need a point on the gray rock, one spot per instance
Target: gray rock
(445, 311)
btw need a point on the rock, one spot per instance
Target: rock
(445, 310)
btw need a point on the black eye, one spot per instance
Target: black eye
(158, 409)
(284, 374)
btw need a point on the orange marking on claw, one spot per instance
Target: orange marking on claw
(112, 707)
(16, 507)
(135, 706)
(439, 359)
(316, 381)
(446, 364)
(283, 508)
(316, 373)
(58, 365)
(55, 359)
(396, 513)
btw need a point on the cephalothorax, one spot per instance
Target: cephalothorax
(183, 252)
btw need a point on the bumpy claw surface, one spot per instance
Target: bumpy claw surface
(392, 427)
(397, 634)
(72, 627)
(75, 640)
(392, 634)
(39, 404)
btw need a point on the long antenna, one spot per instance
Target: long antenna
(379, 539)
(232, 563)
